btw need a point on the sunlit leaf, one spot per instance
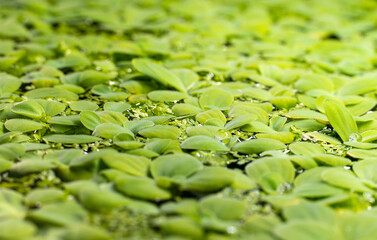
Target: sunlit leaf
(215, 98)
(306, 229)
(59, 138)
(141, 187)
(203, 143)
(29, 108)
(160, 131)
(209, 179)
(52, 93)
(344, 179)
(90, 119)
(258, 145)
(341, 119)
(159, 73)
(131, 164)
(23, 125)
(175, 166)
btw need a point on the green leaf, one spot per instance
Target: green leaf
(361, 153)
(51, 107)
(316, 190)
(258, 145)
(128, 144)
(332, 160)
(306, 230)
(314, 81)
(131, 164)
(240, 121)
(210, 131)
(307, 114)
(363, 107)
(66, 213)
(29, 108)
(164, 119)
(323, 137)
(188, 77)
(126, 136)
(158, 73)
(22, 125)
(256, 93)
(85, 232)
(90, 119)
(340, 118)
(31, 166)
(166, 96)
(366, 169)
(98, 199)
(161, 146)
(304, 125)
(305, 162)
(5, 165)
(361, 145)
(209, 179)
(258, 168)
(284, 137)
(242, 108)
(11, 205)
(7, 62)
(306, 148)
(83, 106)
(345, 179)
(8, 83)
(141, 187)
(359, 86)
(183, 109)
(137, 125)
(310, 176)
(277, 122)
(283, 102)
(12, 28)
(262, 224)
(206, 116)
(369, 136)
(187, 207)
(71, 120)
(215, 98)
(258, 127)
(89, 78)
(160, 131)
(116, 106)
(241, 181)
(11, 151)
(361, 226)
(76, 59)
(222, 208)
(110, 130)
(138, 87)
(60, 138)
(309, 211)
(181, 226)
(203, 143)
(52, 93)
(13, 229)
(176, 167)
(106, 92)
(44, 196)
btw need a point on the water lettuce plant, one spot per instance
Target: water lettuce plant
(192, 119)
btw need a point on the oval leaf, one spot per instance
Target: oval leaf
(203, 143)
(340, 118)
(158, 73)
